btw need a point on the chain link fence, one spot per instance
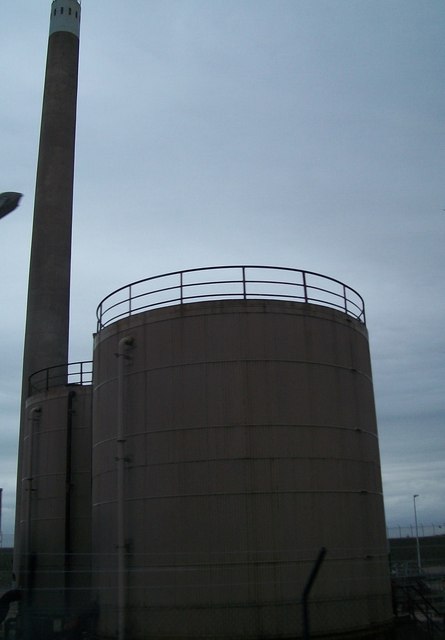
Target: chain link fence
(409, 531)
(221, 600)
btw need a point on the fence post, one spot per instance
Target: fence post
(306, 591)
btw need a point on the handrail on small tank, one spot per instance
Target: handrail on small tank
(59, 375)
(237, 282)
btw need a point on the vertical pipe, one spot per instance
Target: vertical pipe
(122, 354)
(27, 481)
(68, 481)
(28, 565)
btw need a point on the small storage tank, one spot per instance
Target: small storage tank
(234, 436)
(55, 511)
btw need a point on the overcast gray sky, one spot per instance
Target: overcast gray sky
(300, 133)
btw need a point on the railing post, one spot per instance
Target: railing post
(305, 286)
(244, 283)
(129, 300)
(180, 285)
(345, 299)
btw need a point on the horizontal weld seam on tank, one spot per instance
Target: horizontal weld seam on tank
(337, 554)
(230, 583)
(251, 459)
(239, 360)
(370, 464)
(238, 426)
(45, 431)
(252, 563)
(362, 599)
(184, 462)
(245, 582)
(182, 366)
(230, 604)
(257, 565)
(257, 605)
(173, 562)
(52, 519)
(197, 566)
(208, 494)
(56, 474)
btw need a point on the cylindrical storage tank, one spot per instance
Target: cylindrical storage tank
(55, 510)
(247, 431)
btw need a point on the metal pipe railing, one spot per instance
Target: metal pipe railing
(238, 282)
(71, 373)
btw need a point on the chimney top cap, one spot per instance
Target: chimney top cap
(65, 16)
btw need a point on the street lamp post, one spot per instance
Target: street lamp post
(419, 563)
(9, 200)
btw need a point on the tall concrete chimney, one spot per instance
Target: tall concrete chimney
(47, 319)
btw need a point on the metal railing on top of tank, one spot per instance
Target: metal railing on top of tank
(237, 282)
(71, 373)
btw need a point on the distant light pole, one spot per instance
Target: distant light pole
(419, 564)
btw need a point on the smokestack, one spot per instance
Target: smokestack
(47, 318)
